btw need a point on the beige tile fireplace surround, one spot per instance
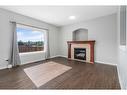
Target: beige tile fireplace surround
(88, 45)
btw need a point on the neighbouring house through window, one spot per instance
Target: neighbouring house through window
(30, 39)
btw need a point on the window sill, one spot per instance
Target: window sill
(27, 53)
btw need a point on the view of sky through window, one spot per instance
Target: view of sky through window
(26, 35)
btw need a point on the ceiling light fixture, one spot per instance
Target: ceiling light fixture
(72, 17)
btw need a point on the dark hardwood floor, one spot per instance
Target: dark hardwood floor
(81, 76)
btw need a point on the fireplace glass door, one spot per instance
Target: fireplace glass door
(80, 53)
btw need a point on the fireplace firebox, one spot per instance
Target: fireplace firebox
(80, 53)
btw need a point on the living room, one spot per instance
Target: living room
(85, 45)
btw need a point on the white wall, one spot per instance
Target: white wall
(122, 57)
(32, 57)
(103, 30)
(5, 36)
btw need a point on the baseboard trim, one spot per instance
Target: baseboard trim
(3, 67)
(98, 62)
(106, 63)
(3, 64)
(62, 56)
(54, 56)
(120, 80)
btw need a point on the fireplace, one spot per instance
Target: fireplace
(80, 53)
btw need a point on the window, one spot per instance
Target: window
(30, 40)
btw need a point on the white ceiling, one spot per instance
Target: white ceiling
(58, 15)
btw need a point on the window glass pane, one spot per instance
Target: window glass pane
(29, 40)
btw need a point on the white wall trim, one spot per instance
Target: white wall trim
(98, 62)
(62, 56)
(120, 80)
(54, 56)
(106, 63)
(3, 67)
(3, 64)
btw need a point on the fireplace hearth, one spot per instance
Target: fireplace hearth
(80, 53)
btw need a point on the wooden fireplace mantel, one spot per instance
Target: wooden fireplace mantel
(90, 42)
